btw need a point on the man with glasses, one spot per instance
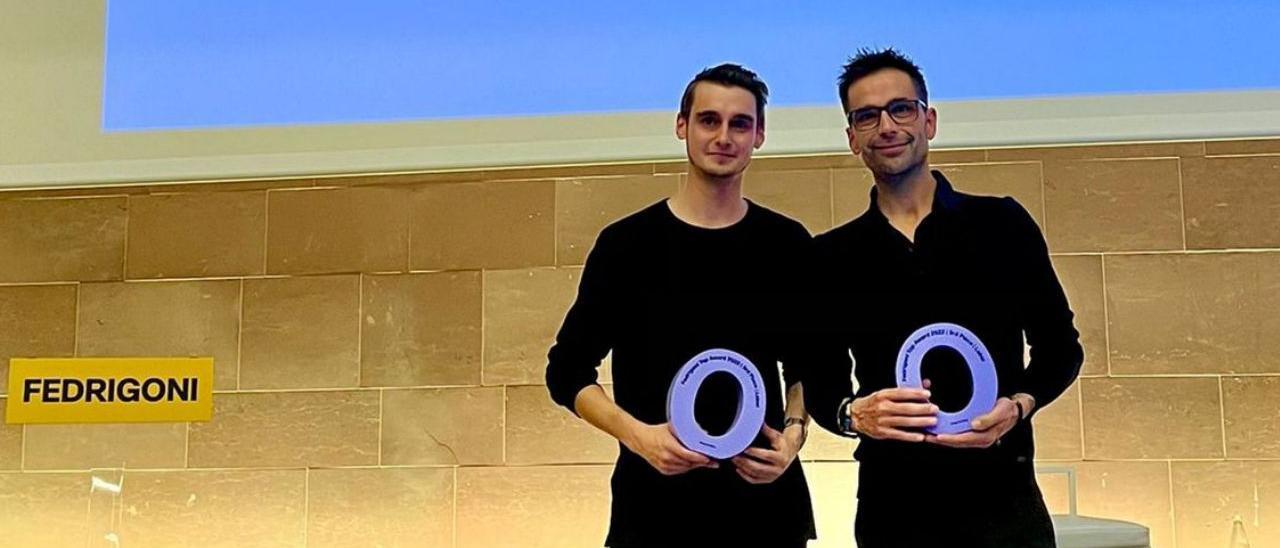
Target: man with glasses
(701, 270)
(924, 253)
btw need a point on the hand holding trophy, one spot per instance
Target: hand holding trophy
(976, 356)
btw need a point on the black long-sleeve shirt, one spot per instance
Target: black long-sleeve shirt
(657, 291)
(980, 262)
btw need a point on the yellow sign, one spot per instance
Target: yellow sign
(71, 390)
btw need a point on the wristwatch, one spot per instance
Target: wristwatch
(804, 427)
(844, 420)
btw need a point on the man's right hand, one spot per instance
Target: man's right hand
(893, 413)
(658, 445)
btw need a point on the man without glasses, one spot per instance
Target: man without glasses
(703, 269)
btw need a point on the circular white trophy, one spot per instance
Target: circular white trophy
(684, 391)
(981, 369)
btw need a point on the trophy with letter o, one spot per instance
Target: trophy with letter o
(684, 391)
(976, 357)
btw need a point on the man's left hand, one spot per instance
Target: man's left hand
(763, 465)
(987, 429)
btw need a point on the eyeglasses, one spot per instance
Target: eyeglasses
(901, 110)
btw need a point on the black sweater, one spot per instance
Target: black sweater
(657, 291)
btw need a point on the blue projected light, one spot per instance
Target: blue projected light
(174, 64)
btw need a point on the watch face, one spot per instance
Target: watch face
(846, 421)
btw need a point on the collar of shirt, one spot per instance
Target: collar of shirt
(945, 198)
(946, 202)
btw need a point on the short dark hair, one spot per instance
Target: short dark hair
(868, 61)
(729, 75)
